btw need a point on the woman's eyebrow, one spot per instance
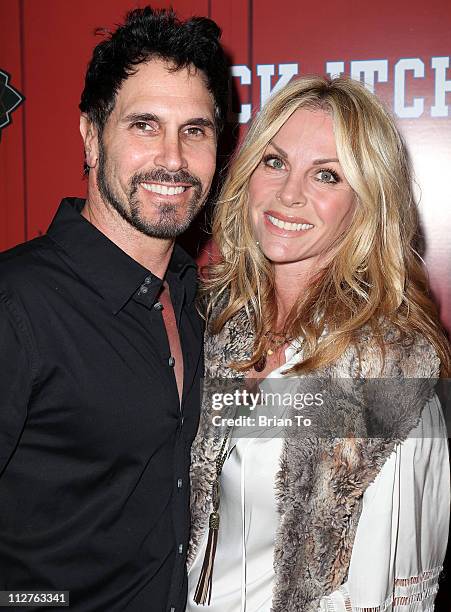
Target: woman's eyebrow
(316, 162)
(327, 160)
(280, 151)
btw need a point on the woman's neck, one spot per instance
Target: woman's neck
(289, 286)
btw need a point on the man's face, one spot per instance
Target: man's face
(157, 151)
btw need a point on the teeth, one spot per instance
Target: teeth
(294, 227)
(163, 189)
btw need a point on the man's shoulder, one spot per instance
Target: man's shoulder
(24, 263)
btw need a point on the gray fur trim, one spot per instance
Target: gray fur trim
(321, 480)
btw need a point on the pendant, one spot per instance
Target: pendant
(260, 365)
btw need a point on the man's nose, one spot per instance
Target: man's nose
(170, 154)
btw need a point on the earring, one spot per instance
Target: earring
(278, 196)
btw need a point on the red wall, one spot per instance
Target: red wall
(45, 46)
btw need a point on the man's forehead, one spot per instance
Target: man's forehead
(157, 84)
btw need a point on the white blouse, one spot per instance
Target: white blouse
(401, 536)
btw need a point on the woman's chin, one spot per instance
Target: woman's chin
(277, 256)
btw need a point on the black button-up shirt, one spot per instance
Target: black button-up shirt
(94, 444)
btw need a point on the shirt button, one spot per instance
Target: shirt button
(179, 483)
(180, 548)
(158, 306)
(171, 361)
(148, 280)
(143, 289)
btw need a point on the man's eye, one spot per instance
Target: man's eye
(327, 176)
(142, 126)
(194, 131)
(273, 162)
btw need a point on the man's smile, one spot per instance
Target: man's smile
(169, 190)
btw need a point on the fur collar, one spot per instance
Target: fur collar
(321, 480)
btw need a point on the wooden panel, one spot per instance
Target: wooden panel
(189, 8)
(12, 196)
(234, 19)
(59, 37)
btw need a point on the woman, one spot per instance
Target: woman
(319, 279)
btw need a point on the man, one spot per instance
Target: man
(100, 353)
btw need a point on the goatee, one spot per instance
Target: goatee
(168, 225)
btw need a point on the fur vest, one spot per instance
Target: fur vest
(321, 479)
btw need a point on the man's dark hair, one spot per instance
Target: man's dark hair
(154, 33)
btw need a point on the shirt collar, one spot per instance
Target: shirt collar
(102, 264)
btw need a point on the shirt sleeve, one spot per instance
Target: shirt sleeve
(16, 377)
(402, 533)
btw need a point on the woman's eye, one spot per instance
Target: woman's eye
(274, 162)
(327, 176)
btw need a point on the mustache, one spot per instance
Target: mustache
(163, 176)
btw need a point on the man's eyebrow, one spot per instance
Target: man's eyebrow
(200, 122)
(197, 121)
(134, 117)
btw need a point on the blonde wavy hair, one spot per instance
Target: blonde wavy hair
(376, 275)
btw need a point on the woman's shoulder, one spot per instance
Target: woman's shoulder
(391, 352)
(232, 343)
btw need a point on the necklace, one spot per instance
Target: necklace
(274, 342)
(204, 584)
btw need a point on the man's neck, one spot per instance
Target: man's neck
(152, 253)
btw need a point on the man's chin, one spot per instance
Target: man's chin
(167, 222)
(167, 229)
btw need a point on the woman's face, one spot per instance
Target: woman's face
(299, 199)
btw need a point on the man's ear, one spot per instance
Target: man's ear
(90, 138)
